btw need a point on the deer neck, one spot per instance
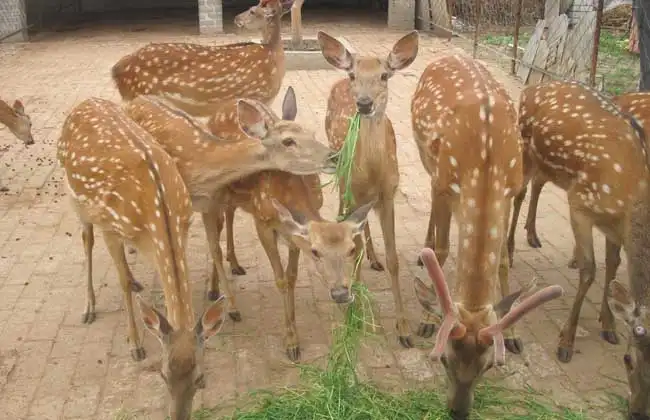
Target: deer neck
(372, 146)
(638, 250)
(272, 33)
(7, 115)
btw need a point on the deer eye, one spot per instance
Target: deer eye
(289, 142)
(315, 253)
(384, 77)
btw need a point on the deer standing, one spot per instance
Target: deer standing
(287, 206)
(458, 106)
(579, 140)
(208, 164)
(17, 121)
(121, 181)
(196, 78)
(375, 175)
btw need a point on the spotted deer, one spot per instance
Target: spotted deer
(121, 181)
(208, 163)
(196, 78)
(469, 343)
(580, 141)
(375, 175)
(287, 206)
(17, 121)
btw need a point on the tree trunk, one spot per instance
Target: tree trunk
(642, 14)
(296, 23)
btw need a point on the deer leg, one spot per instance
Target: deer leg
(116, 249)
(293, 344)
(431, 230)
(512, 342)
(213, 224)
(235, 268)
(518, 200)
(607, 321)
(269, 242)
(88, 237)
(370, 250)
(582, 225)
(531, 219)
(387, 219)
(573, 262)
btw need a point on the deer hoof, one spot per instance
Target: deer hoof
(377, 266)
(564, 354)
(573, 263)
(293, 353)
(136, 286)
(426, 330)
(533, 240)
(238, 270)
(88, 317)
(138, 354)
(406, 341)
(514, 345)
(235, 316)
(420, 263)
(609, 336)
(213, 295)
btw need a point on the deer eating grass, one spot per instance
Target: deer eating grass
(374, 174)
(287, 206)
(208, 164)
(469, 343)
(581, 142)
(17, 121)
(459, 106)
(121, 181)
(196, 78)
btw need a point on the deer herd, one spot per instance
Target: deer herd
(139, 171)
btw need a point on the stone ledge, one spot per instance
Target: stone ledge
(308, 60)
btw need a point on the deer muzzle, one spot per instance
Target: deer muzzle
(365, 105)
(340, 294)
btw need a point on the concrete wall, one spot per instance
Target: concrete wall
(401, 14)
(12, 19)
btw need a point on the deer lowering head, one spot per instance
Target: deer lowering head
(17, 121)
(369, 75)
(469, 344)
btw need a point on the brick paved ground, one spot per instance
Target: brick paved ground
(52, 366)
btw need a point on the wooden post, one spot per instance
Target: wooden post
(296, 23)
(515, 41)
(594, 54)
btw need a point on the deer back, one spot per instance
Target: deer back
(465, 127)
(122, 181)
(582, 141)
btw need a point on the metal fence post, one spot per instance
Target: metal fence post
(515, 40)
(479, 7)
(594, 54)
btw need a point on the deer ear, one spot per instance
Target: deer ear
(292, 223)
(18, 107)
(211, 321)
(404, 51)
(334, 52)
(251, 120)
(359, 217)
(426, 295)
(153, 320)
(620, 302)
(289, 105)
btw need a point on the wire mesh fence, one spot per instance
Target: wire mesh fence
(539, 40)
(13, 19)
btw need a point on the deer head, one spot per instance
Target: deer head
(17, 121)
(258, 17)
(468, 344)
(369, 75)
(293, 147)
(182, 354)
(329, 244)
(637, 357)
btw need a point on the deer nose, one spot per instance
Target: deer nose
(340, 294)
(364, 105)
(457, 415)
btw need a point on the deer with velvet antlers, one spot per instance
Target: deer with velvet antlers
(477, 188)
(582, 142)
(196, 78)
(208, 163)
(374, 174)
(287, 206)
(121, 181)
(17, 121)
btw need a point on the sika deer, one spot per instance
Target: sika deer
(17, 121)
(208, 164)
(196, 78)
(472, 333)
(476, 188)
(120, 180)
(375, 175)
(267, 195)
(580, 141)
